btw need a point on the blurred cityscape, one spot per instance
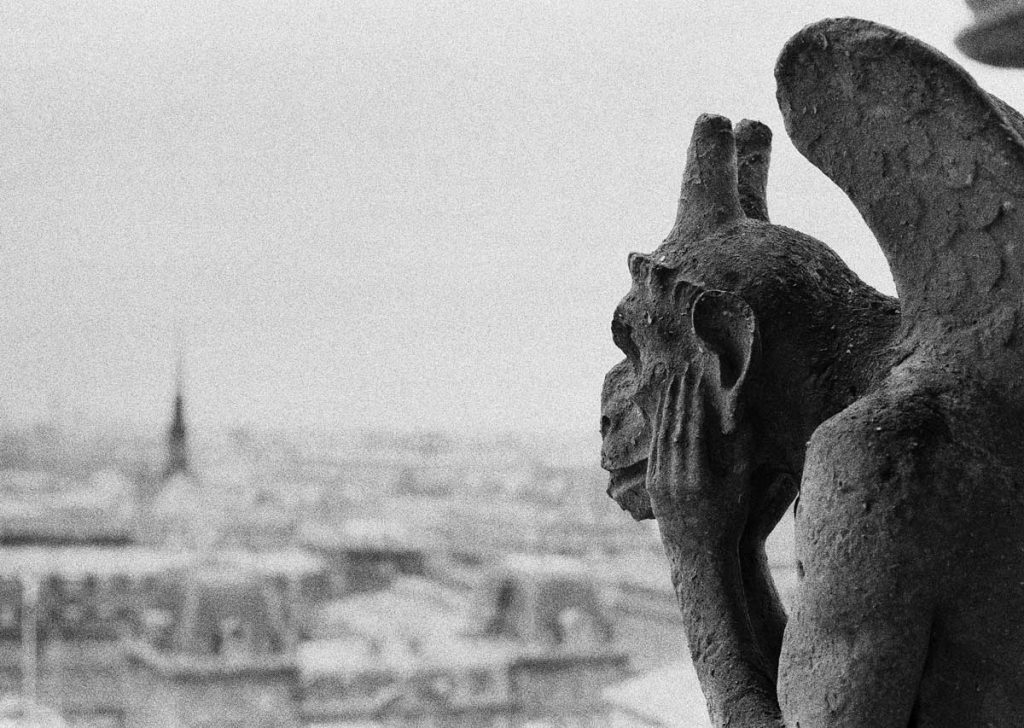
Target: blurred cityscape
(356, 579)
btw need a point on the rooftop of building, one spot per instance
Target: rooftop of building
(190, 666)
(50, 507)
(78, 561)
(412, 609)
(544, 565)
(357, 654)
(366, 533)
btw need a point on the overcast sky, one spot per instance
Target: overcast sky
(399, 214)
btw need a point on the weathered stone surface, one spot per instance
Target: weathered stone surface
(758, 360)
(625, 441)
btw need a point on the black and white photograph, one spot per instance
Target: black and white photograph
(540, 364)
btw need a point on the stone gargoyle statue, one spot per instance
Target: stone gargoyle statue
(759, 369)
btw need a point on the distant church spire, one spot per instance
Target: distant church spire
(177, 433)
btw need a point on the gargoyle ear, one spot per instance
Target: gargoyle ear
(727, 327)
(933, 163)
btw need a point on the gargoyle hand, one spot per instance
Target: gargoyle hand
(698, 476)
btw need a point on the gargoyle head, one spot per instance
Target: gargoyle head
(737, 309)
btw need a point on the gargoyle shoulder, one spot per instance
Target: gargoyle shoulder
(884, 443)
(878, 477)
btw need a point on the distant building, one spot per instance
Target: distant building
(227, 659)
(489, 528)
(174, 509)
(534, 644)
(93, 599)
(41, 507)
(80, 604)
(177, 434)
(367, 554)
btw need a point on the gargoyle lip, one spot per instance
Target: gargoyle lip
(627, 487)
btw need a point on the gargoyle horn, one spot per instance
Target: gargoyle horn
(710, 197)
(753, 153)
(934, 165)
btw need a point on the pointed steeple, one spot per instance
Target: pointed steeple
(177, 433)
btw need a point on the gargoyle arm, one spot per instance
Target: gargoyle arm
(701, 510)
(764, 607)
(738, 684)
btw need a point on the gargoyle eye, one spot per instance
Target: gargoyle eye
(682, 293)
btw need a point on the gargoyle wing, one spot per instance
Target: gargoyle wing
(934, 164)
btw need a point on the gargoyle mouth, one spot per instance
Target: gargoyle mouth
(627, 487)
